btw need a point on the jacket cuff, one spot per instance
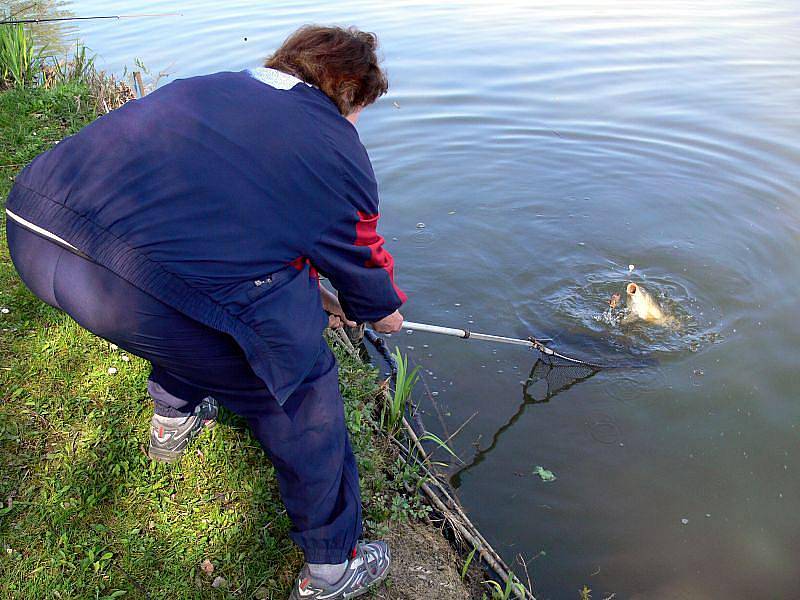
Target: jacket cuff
(367, 314)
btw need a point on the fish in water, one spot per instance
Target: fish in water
(641, 305)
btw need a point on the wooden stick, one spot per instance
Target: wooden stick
(466, 529)
(137, 77)
(485, 549)
(451, 510)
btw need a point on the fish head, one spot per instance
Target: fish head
(641, 303)
(636, 299)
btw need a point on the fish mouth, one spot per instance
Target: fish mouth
(631, 289)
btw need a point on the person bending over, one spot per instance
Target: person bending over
(189, 228)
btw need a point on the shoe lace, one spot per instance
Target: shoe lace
(371, 558)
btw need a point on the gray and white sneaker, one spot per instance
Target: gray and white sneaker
(169, 436)
(368, 567)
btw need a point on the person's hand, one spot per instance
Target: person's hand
(390, 324)
(331, 305)
(338, 321)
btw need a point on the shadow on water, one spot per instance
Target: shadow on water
(547, 379)
(552, 374)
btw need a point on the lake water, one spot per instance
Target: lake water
(546, 147)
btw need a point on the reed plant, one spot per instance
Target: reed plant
(78, 68)
(440, 443)
(392, 413)
(467, 563)
(105, 91)
(23, 65)
(504, 593)
(20, 61)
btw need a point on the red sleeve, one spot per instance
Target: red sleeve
(351, 254)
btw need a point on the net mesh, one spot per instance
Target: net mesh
(551, 375)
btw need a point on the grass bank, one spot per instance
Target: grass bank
(84, 513)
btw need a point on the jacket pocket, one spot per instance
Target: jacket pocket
(242, 296)
(264, 286)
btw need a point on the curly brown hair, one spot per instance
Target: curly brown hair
(341, 62)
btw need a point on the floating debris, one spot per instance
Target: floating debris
(684, 521)
(631, 268)
(544, 474)
(396, 104)
(420, 225)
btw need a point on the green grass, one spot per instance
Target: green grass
(84, 513)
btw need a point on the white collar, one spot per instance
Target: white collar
(274, 78)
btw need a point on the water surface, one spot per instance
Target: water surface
(546, 147)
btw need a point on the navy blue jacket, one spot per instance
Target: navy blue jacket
(222, 196)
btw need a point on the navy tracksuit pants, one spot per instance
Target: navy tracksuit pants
(306, 438)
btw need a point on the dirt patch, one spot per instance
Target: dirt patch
(424, 565)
